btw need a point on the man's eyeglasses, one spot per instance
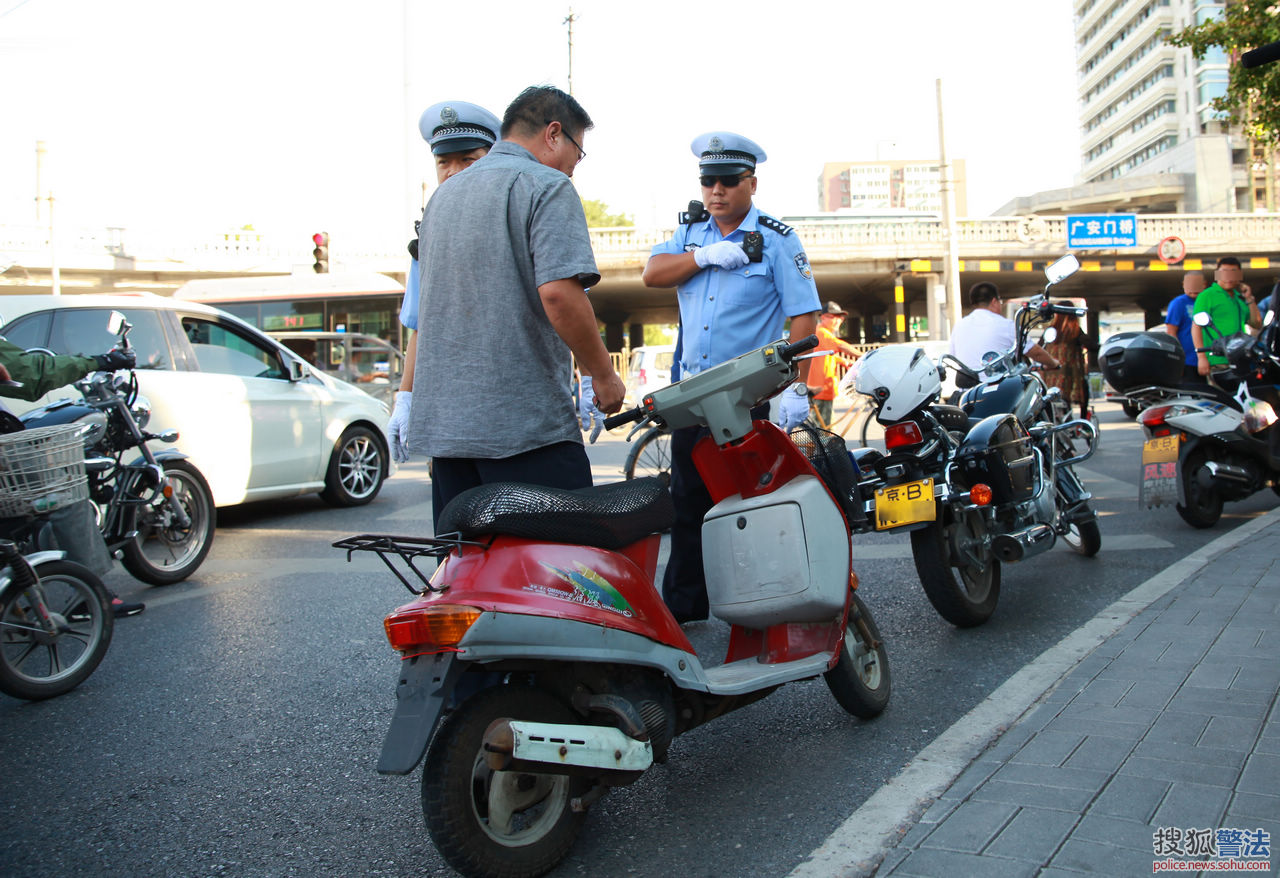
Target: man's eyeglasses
(582, 153)
(728, 181)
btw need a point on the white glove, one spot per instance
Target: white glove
(588, 413)
(398, 426)
(724, 254)
(793, 408)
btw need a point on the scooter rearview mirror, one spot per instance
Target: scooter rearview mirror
(1062, 269)
(114, 322)
(1201, 319)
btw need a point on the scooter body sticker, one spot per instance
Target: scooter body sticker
(587, 587)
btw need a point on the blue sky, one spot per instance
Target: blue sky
(193, 118)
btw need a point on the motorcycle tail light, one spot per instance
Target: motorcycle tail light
(435, 625)
(1154, 417)
(980, 494)
(902, 435)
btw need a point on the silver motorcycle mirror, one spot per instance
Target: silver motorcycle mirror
(1062, 269)
(1201, 319)
(1050, 335)
(114, 322)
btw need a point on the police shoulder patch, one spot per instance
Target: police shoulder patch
(802, 265)
(770, 223)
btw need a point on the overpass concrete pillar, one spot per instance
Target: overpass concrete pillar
(635, 335)
(613, 336)
(1092, 334)
(935, 296)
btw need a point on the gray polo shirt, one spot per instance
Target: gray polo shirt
(493, 377)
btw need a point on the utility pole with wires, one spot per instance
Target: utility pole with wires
(569, 20)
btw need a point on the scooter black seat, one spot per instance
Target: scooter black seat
(606, 516)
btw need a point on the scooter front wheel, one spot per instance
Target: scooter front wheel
(860, 680)
(497, 824)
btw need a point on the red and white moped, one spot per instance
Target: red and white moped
(540, 665)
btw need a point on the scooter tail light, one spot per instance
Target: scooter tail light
(434, 625)
(1154, 417)
(980, 494)
(902, 435)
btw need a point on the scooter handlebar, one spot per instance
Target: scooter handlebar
(793, 350)
(621, 418)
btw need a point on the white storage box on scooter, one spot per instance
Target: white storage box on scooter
(781, 557)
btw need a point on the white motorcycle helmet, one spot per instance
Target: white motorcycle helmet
(900, 378)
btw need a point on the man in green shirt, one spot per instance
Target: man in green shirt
(1230, 306)
(74, 527)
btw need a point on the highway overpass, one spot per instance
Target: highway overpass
(855, 262)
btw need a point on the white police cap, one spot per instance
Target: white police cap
(723, 152)
(457, 126)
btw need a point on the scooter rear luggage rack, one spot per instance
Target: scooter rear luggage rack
(406, 549)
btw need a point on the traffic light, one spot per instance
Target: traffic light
(321, 253)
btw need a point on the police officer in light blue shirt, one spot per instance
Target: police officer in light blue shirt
(459, 133)
(739, 274)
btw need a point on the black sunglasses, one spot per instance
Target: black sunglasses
(728, 181)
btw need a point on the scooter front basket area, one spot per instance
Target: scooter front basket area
(830, 457)
(406, 549)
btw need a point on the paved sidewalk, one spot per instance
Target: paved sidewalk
(1169, 725)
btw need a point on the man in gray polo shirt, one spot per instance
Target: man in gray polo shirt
(505, 261)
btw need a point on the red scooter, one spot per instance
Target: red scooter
(540, 664)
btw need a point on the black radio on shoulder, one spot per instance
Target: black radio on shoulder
(695, 214)
(753, 246)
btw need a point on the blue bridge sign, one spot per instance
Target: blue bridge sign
(1102, 230)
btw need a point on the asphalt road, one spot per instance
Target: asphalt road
(233, 727)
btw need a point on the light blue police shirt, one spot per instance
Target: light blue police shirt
(409, 308)
(727, 313)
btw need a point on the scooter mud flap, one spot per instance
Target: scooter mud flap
(425, 684)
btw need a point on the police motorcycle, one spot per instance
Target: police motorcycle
(981, 484)
(539, 664)
(154, 508)
(1204, 445)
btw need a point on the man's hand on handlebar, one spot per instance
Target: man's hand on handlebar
(115, 360)
(609, 391)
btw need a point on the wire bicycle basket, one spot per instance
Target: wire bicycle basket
(42, 470)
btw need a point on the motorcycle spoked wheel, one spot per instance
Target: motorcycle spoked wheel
(1083, 537)
(963, 595)
(860, 680)
(498, 824)
(35, 665)
(163, 553)
(1204, 505)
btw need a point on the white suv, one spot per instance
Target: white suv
(650, 368)
(257, 421)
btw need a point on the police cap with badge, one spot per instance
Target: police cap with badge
(728, 156)
(455, 126)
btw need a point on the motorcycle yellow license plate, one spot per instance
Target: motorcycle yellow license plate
(901, 505)
(1162, 449)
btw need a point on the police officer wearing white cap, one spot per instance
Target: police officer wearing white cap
(459, 133)
(739, 275)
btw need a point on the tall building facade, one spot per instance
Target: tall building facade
(1146, 121)
(888, 187)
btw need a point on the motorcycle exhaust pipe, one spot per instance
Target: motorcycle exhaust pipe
(1023, 543)
(1214, 471)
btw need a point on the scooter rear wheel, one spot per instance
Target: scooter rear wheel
(860, 680)
(1204, 505)
(497, 823)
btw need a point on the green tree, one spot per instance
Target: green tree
(1253, 96)
(598, 216)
